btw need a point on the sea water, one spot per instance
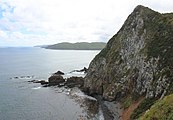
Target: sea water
(21, 100)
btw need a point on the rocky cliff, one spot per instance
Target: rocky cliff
(137, 61)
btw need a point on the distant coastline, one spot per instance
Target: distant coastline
(75, 46)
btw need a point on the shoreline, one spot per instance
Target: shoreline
(95, 106)
(111, 110)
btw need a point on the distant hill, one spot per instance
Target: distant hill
(77, 46)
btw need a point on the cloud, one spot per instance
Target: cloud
(3, 34)
(32, 22)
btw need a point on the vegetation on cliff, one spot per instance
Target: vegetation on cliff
(136, 62)
(161, 110)
(77, 46)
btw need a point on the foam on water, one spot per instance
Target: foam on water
(36, 88)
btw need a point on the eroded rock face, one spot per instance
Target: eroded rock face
(137, 60)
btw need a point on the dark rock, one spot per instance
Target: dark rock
(56, 80)
(32, 81)
(82, 70)
(42, 82)
(45, 85)
(36, 81)
(59, 73)
(75, 81)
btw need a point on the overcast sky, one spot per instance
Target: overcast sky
(38, 22)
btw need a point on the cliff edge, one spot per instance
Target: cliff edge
(137, 62)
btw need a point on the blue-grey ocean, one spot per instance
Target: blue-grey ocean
(21, 100)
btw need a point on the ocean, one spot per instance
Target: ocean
(21, 100)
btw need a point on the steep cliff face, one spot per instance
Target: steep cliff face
(137, 61)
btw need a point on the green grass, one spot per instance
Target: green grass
(161, 110)
(144, 105)
(127, 102)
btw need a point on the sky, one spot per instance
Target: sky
(43, 22)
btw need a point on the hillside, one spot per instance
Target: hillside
(161, 110)
(77, 46)
(137, 62)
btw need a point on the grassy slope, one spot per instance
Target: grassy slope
(161, 110)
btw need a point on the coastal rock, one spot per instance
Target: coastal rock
(59, 73)
(82, 70)
(137, 61)
(56, 80)
(23, 77)
(42, 82)
(74, 81)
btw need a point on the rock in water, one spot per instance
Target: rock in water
(137, 61)
(59, 73)
(56, 80)
(42, 82)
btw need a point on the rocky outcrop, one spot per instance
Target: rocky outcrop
(74, 82)
(56, 79)
(42, 82)
(59, 73)
(137, 61)
(82, 70)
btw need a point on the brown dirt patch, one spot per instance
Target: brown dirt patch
(128, 111)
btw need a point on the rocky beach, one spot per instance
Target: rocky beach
(95, 105)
